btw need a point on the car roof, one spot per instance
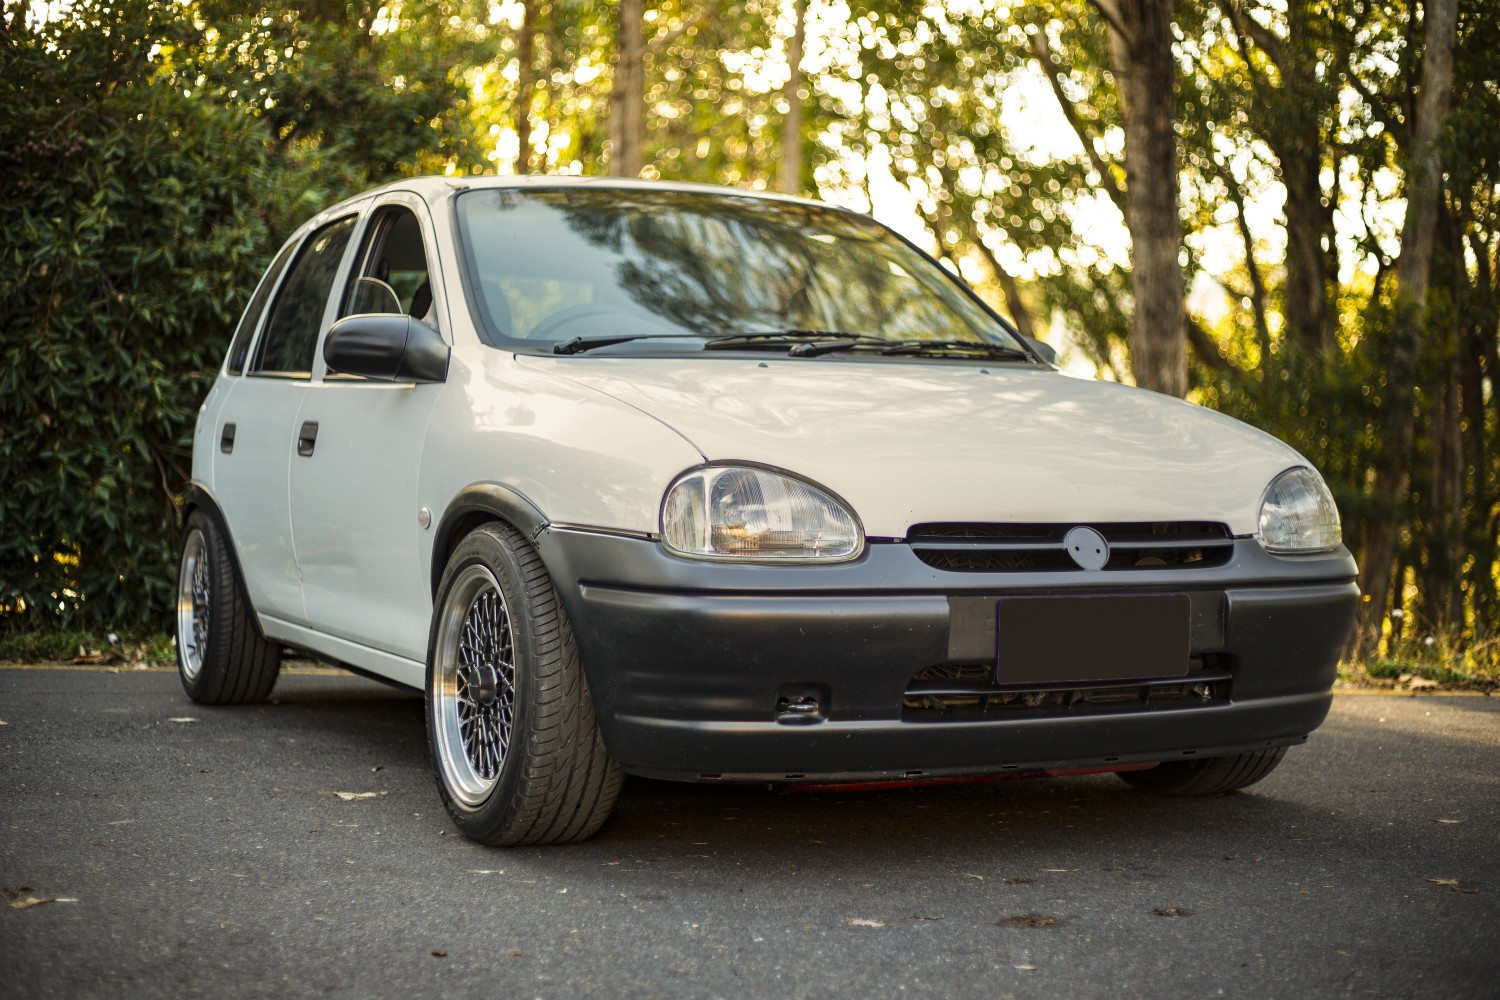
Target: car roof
(434, 189)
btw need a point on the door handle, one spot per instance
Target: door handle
(226, 439)
(307, 437)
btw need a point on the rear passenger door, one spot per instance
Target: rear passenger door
(354, 494)
(256, 430)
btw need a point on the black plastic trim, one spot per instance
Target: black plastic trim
(475, 505)
(688, 660)
(386, 346)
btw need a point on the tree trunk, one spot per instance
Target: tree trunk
(1413, 271)
(1482, 357)
(1140, 36)
(791, 125)
(525, 84)
(627, 96)
(1296, 136)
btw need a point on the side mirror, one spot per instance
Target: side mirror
(392, 348)
(1045, 350)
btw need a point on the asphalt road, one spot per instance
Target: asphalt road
(204, 851)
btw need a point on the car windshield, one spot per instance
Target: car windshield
(575, 268)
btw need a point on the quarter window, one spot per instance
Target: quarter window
(392, 276)
(291, 334)
(250, 321)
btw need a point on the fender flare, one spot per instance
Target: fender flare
(474, 505)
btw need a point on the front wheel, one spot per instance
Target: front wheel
(222, 659)
(1209, 776)
(510, 724)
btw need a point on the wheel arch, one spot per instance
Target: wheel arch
(198, 497)
(475, 505)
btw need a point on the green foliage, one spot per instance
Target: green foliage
(150, 168)
(133, 226)
(62, 646)
(1449, 659)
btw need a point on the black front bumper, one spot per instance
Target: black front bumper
(688, 662)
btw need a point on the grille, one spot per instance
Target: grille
(1015, 548)
(959, 692)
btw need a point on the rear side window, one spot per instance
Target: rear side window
(292, 331)
(245, 332)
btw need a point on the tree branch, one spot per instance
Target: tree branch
(1044, 56)
(1109, 10)
(1206, 350)
(1248, 27)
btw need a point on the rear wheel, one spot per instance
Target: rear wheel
(1208, 776)
(222, 659)
(510, 723)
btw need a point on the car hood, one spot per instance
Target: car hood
(906, 443)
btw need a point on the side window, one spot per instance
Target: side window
(245, 332)
(292, 331)
(392, 275)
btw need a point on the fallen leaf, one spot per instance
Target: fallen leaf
(182, 718)
(1020, 880)
(1443, 881)
(517, 954)
(439, 954)
(30, 901)
(9, 893)
(863, 922)
(972, 875)
(1059, 869)
(1024, 968)
(1461, 889)
(488, 871)
(1027, 920)
(918, 916)
(1171, 911)
(354, 796)
(1450, 821)
(376, 770)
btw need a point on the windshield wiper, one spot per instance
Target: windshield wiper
(803, 341)
(577, 345)
(955, 348)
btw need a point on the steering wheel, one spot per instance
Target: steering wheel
(563, 317)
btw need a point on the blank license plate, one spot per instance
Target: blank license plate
(1101, 637)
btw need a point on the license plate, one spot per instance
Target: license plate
(1099, 637)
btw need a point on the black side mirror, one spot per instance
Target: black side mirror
(1045, 350)
(385, 346)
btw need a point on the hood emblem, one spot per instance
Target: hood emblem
(1087, 547)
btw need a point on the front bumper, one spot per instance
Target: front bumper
(688, 662)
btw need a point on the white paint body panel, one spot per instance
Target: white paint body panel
(914, 442)
(252, 485)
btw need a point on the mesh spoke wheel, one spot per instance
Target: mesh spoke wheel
(475, 685)
(194, 596)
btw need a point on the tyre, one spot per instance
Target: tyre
(1208, 776)
(222, 658)
(510, 724)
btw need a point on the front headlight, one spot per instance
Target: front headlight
(1298, 514)
(743, 512)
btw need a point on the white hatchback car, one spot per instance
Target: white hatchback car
(693, 483)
